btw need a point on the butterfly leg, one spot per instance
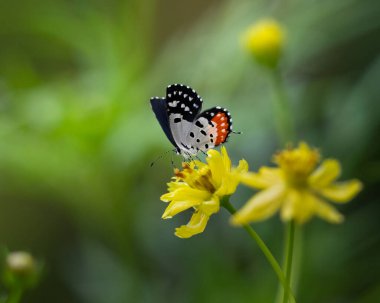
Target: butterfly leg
(192, 159)
(171, 159)
(203, 152)
(189, 157)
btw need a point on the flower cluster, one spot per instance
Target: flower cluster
(296, 187)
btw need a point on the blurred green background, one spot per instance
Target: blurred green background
(77, 136)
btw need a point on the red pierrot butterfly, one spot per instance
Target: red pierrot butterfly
(187, 128)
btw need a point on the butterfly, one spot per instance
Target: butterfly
(187, 128)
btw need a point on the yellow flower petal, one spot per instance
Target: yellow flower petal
(196, 225)
(326, 211)
(302, 205)
(306, 207)
(231, 180)
(326, 173)
(210, 207)
(260, 206)
(226, 160)
(167, 197)
(290, 204)
(228, 185)
(264, 178)
(172, 186)
(342, 192)
(176, 207)
(215, 163)
(186, 193)
(242, 167)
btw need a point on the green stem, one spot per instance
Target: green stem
(283, 118)
(15, 295)
(265, 250)
(289, 258)
(286, 133)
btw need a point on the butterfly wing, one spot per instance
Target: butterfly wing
(159, 107)
(183, 100)
(210, 129)
(183, 106)
(187, 129)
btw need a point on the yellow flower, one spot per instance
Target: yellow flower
(265, 41)
(201, 186)
(297, 188)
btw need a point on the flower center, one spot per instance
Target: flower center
(297, 164)
(200, 178)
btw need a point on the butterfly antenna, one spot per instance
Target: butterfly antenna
(160, 157)
(236, 133)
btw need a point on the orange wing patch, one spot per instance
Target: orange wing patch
(222, 123)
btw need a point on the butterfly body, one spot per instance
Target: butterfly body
(187, 128)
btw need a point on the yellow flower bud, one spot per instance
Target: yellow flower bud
(265, 41)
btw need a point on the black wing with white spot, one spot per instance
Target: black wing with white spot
(183, 106)
(183, 100)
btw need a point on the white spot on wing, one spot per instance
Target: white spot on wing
(173, 104)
